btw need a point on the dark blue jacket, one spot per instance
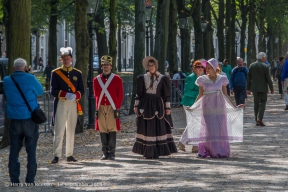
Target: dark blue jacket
(238, 77)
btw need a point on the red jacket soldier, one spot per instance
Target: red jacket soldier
(108, 92)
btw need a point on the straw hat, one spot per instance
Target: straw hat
(148, 58)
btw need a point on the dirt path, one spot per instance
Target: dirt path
(258, 164)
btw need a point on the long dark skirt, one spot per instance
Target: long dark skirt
(154, 137)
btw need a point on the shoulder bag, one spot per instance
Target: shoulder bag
(38, 115)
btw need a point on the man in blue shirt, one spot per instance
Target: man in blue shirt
(21, 126)
(284, 81)
(238, 82)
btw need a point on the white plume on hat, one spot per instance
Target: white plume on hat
(66, 51)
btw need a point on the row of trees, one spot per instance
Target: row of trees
(264, 17)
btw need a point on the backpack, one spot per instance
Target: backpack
(242, 69)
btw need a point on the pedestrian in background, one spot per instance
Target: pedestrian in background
(284, 81)
(273, 67)
(47, 73)
(226, 68)
(152, 107)
(22, 128)
(257, 80)
(220, 65)
(238, 82)
(108, 92)
(67, 88)
(191, 91)
(40, 63)
(35, 62)
(278, 73)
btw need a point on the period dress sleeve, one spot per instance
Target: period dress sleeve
(200, 81)
(224, 80)
(166, 91)
(140, 89)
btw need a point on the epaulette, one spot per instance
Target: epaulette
(77, 70)
(56, 69)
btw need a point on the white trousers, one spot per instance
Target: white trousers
(285, 91)
(66, 116)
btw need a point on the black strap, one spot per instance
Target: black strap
(24, 98)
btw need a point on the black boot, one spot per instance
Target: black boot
(105, 146)
(112, 145)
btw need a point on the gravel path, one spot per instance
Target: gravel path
(258, 164)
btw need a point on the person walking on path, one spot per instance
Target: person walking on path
(284, 81)
(257, 80)
(191, 91)
(67, 88)
(108, 92)
(238, 82)
(47, 73)
(226, 68)
(273, 67)
(152, 107)
(278, 73)
(22, 128)
(213, 121)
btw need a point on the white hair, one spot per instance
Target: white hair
(239, 58)
(261, 55)
(19, 63)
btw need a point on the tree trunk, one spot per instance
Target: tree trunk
(119, 44)
(187, 59)
(229, 32)
(261, 27)
(234, 44)
(172, 42)
(139, 48)
(19, 39)
(196, 16)
(208, 35)
(151, 39)
(83, 43)
(220, 28)
(112, 34)
(244, 11)
(270, 44)
(101, 36)
(52, 42)
(251, 49)
(161, 37)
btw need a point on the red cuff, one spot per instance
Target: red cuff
(78, 95)
(62, 94)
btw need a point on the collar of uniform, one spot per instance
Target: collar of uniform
(68, 69)
(106, 76)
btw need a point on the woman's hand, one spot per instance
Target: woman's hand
(168, 111)
(135, 109)
(240, 106)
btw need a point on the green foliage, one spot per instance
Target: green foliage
(41, 12)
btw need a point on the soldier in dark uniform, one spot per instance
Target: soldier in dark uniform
(67, 88)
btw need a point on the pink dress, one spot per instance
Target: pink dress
(213, 121)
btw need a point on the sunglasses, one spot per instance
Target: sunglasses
(197, 67)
